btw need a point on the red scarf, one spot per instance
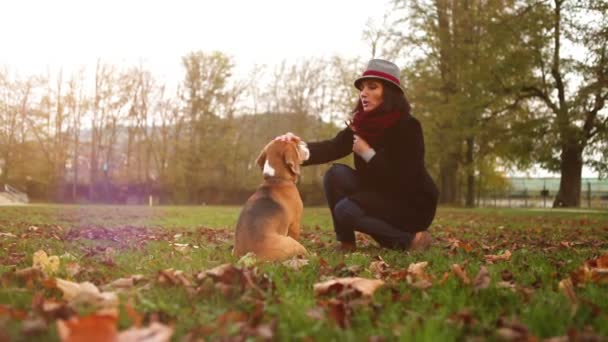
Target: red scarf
(371, 125)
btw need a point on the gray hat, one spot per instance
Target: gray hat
(381, 69)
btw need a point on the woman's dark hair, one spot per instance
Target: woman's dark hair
(393, 100)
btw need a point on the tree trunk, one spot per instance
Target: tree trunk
(571, 167)
(470, 199)
(448, 176)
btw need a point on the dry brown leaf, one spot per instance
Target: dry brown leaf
(378, 267)
(92, 328)
(461, 274)
(155, 332)
(491, 258)
(86, 292)
(417, 269)
(599, 269)
(124, 283)
(462, 318)
(173, 277)
(421, 284)
(12, 313)
(135, 316)
(593, 270)
(295, 263)
(366, 287)
(567, 288)
(506, 285)
(456, 244)
(339, 312)
(506, 275)
(417, 277)
(482, 280)
(316, 313)
(30, 275)
(33, 325)
(72, 268)
(513, 330)
(222, 273)
(602, 261)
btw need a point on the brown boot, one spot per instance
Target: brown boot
(422, 241)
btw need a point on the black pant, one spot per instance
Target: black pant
(339, 182)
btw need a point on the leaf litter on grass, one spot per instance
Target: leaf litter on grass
(410, 281)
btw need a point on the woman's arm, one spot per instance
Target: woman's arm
(328, 150)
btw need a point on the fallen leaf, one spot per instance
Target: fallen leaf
(295, 263)
(593, 270)
(417, 269)
(339, 312)
(365, 287)
(12, 313)
(417, 277)
(567, 288)
(86, 292)
(506, 256)
(482, 280)
(30, 275)
(506, 285)
(173, 277)
(462, 318)
(155, 332)
(48, 264)
(455, 244)
(461, 274)
(316, 313)
(123, 283)
(73, 268)
(513, 330)
(444, 278)
(506, 275)
(33, 325)
(91, 328)
(378, 267)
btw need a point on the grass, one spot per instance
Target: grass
(110, 242)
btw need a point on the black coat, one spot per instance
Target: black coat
(395, 183)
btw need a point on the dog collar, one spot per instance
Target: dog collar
(275, 179)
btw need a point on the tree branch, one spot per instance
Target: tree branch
(535, 92)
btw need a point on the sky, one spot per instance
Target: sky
(47, 35)
(39, 35)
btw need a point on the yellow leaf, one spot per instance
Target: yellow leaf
(86, 292)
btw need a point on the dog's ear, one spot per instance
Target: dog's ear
(261, 159)
(292, 159)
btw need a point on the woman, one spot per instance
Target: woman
(389, 195)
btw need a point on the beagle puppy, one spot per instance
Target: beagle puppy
(269, 223)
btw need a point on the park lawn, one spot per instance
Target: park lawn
(530, 258)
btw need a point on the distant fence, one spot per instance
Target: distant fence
(540, 193)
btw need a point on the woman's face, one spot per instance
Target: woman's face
(371, 94)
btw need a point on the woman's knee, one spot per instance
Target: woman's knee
(347, 212)
(339, 176)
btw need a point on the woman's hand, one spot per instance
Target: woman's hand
(288, 137)
(360, 146)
